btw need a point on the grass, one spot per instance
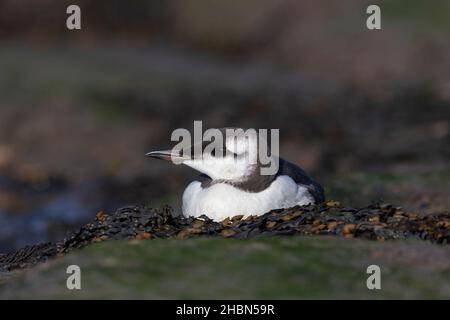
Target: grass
(259, 268)
(424, 190)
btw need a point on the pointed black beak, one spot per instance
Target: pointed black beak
(168, 155)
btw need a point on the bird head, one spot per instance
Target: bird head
(232, 155)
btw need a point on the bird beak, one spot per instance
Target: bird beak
(168, 155)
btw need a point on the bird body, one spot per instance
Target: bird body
(218, 200)
(222, 200)
(232, 185)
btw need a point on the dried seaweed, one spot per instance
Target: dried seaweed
(374, 222)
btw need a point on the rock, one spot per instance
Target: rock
(146, 235)
(198, 224)
(348, 229)
(332, 204)
(100, 216)
(271, 224)
(374, 222)
(184, 234)
(226, 221)
(332, 225)
(227, 233)
(287, 217)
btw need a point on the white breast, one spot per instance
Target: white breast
(220, 201)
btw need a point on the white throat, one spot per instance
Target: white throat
(222, 168)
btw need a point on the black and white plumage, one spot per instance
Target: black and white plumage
(232, 185)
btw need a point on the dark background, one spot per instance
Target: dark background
(366, 112)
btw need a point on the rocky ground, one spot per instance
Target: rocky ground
(374, 222)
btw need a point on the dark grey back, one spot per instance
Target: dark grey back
(257, 182)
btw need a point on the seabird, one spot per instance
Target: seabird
(231, 185)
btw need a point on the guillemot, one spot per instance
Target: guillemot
(231, 184)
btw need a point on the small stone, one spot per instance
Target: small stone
(198, 224)
(271, 224)
(194, 230)
(332, 225)
(318, 227)
(146, 235)
(333, 203)
(100, 216)
(227, 233)
(348, 229)
(226, 221)
(183, 234)
(316, 223)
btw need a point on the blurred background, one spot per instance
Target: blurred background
(366, 112)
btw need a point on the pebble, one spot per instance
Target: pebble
(348, 229)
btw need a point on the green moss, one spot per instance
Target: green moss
(361, 188)
(276, 267)
(426, 15)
